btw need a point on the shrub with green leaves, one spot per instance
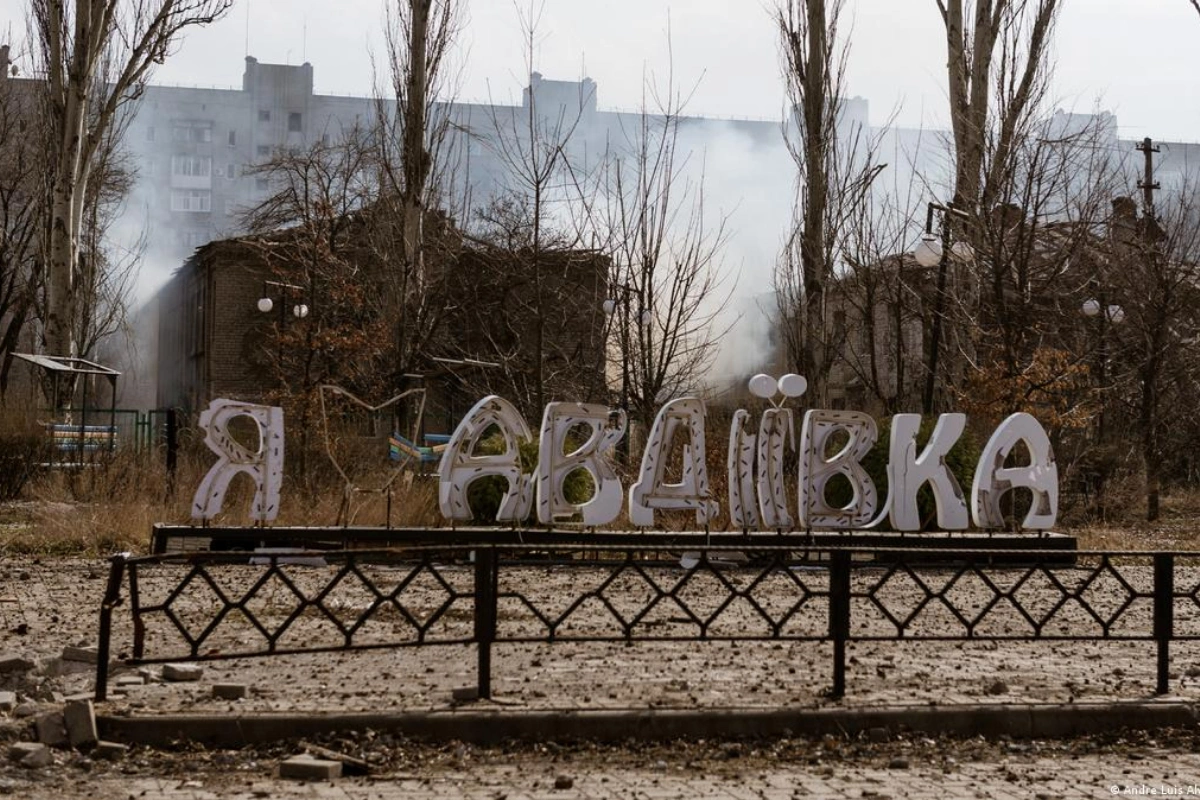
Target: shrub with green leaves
(961, 459)
(484, 494)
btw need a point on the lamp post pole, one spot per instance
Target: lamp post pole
(939, 301)
(1105, 315)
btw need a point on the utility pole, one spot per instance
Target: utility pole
(1149, 412)
(1148, 185)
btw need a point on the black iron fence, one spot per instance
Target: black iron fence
(220, 605)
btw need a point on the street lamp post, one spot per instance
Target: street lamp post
(1105, 314)
(931, 253)
(299, 309)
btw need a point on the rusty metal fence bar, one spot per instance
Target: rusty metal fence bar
(223, 605)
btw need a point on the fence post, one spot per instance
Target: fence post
(839, 616)
(172, 448)
(1164, 615)
(485, 615)
(112, 598)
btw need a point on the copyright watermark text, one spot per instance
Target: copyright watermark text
(1154, 790)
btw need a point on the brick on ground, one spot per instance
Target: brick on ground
(182, 672)
(110, 751)
(306, 768)
(230, 691)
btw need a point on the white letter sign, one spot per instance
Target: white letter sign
(908, 472)
(460, 467)
(651, 490)
(816, 470)
(993, 480)
(554, 465)
(264, 465)
(743, 509)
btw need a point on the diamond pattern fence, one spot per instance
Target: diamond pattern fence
(205, 606)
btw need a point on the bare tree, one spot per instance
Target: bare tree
(413, 141)
(997, 77)
(1154, 275)
(95, 56)
(532, 220)
(834, 163)
(22, 167)
(312, 233)
(665, 288)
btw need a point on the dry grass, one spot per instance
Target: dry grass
(99, 510)
(103, 509)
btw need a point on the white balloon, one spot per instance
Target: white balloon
(793, 385)
(764, 386)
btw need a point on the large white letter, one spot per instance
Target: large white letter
(651, 490)
(460, 468)
(739, 467)
(816, 470)
(264, 465)
(554, 465)
(908, 472)
(772, 494)
(993, 479)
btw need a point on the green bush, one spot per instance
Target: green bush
(961, 459)
(484, 494)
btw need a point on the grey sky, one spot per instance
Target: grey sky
(1140, 58)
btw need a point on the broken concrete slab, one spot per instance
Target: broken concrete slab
(31, 754)
(14, 663)
(80, 718)
(51, 729)
(81, 654)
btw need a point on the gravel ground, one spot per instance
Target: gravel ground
(46, 606)
(874, 765)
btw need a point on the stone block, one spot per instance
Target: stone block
(230, 691)
(8, 701)
(182, 672)
(51, 729)
(25, 710)
(11, 663)
(80, 718)
(307, 768)
(110, 751)
(83, 655)
(31, 754)
(131, 680)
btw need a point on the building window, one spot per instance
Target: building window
(325, 139)
(191, 239)
(294, 122)
(150, 134)
(194, 166)
(192, 200)
(233, 138)
(231, 171)
(191, 132)
(264, 115)
(263, 150)
(260, 184)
